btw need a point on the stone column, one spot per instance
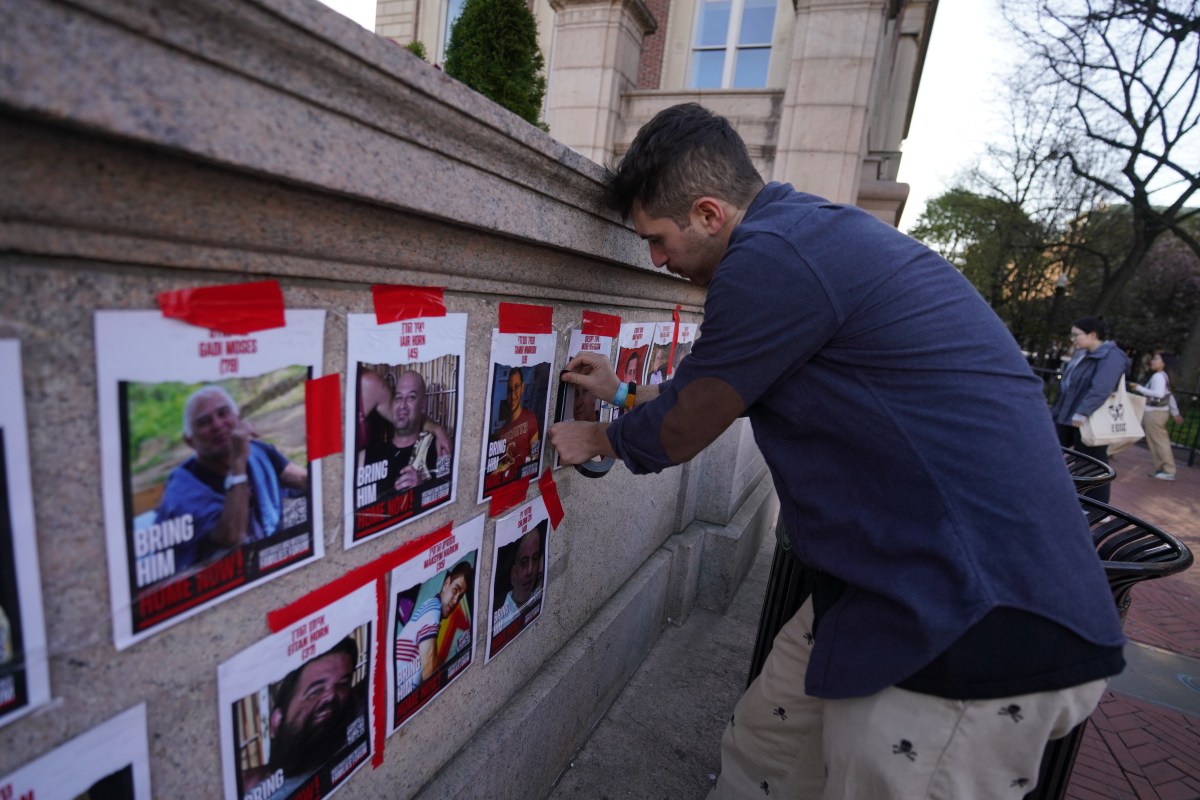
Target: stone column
(823, 128)
(597, 50)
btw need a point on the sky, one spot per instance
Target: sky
(959, 100)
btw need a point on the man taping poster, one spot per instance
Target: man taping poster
(518, 389)
(518, 573)
(434, 599)
(207, 484)
(296, 708)
(405, 388)
(111, 761)
(24, 670)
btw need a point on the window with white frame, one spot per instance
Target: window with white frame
(453, 11)
(733, 44)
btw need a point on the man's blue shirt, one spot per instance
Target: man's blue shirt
(910, 444)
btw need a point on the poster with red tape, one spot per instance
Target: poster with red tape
(209, 488)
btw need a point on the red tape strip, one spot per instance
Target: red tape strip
(597, 324)
(396, 302)
(323, 415)
(518, 318)
(343, 585)
(508, 497)
(674, 340)
(380, 687)
(550, 497)
(234, 308)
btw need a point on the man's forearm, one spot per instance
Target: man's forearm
(231, 525)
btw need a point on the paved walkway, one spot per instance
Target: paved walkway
(1143, 742)
(661, 737)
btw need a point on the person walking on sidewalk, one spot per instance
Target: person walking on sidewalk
(1090, 377)
(1158, 408)
(960, 616)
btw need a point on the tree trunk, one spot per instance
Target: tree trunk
(1188, 378)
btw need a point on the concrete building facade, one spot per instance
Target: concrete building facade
(821, 90)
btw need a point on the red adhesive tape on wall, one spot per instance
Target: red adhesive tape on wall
(234, 308)
(508, 497)
(338, 588)
(518, 318)
(674, 341)
(597, 324)
(323, 415)
(380, 687)
(396, 302)
(550, 497)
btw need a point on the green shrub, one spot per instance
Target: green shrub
(417, 49)
(493, 49)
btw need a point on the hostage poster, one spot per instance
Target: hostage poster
(668, 350)
(24, 671)
(109, 762)
(208, 489)
(433, 603)
(518, 573)
(405, 388)
(518, 405)
(296, 708)
(633, 352)
(575, 402)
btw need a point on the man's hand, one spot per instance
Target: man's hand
(577, 442)
(239, 447)
(407, 479)
(595, 373)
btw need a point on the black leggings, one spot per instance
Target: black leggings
(1068, 436)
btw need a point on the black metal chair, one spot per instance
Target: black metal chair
(1131, 551)
(1087, 472)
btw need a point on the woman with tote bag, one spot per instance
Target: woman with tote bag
(1092, 375)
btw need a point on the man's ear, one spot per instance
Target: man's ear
(710, 214)
(276, 721)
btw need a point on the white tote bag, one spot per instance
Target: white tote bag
(1117, 421)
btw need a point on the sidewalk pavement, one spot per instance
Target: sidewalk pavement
(660, 740)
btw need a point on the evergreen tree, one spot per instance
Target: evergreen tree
(493, 49)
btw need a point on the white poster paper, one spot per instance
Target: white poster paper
(633, 353)
(663, 362)
(518, 573)
(518, 409)
(208, 490)
(296, 708)
(433, 604)
(405, 391)
(24, 672)
(111, 761)
(575, 403)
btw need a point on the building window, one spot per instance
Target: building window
(733, 44)
(453, 11)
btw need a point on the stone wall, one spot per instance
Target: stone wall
(160, 144)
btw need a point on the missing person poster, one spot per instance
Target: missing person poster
(208, 489)
(518, 406)
(109, 762)
(433, 602)
(633, 350)
(575, 402)
(296, 708)
(405, 388)
(518, 573)
(668, 350)
(24, 670)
